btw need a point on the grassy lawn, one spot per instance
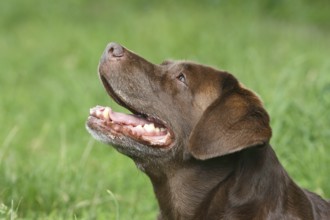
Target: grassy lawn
(50, 167)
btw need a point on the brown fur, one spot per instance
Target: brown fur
(220, 165)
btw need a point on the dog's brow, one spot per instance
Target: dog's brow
(166, 62)
(187, 66)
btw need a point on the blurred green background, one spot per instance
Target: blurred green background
(50, 167)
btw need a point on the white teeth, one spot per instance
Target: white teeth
(157, 130)
(98, 113)
(163, 129)
(149, 127)
(106, 113)
(139, 127)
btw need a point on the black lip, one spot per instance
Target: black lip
(119, 101)
(114, 96)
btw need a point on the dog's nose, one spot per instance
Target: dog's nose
(114, 50)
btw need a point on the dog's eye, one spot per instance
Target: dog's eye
(181, 77)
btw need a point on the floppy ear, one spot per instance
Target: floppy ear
(234, 121)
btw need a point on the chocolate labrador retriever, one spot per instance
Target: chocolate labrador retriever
(201, 137)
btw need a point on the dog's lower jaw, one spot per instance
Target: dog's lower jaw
(126, 145)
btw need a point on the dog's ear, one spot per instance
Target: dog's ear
(234, 121)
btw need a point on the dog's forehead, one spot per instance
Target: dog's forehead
(174, 63)
(167, 62)
(183, 65)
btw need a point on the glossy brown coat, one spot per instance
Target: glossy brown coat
(220, 164)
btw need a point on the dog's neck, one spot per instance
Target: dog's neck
(183, 191)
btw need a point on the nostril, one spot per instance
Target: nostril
(115, 50)
(110, 50)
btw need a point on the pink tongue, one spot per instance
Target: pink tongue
(127, 119)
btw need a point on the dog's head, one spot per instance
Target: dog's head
(178, 108)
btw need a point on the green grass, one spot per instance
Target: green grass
(50, 167)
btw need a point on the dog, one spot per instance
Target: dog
(201, 137)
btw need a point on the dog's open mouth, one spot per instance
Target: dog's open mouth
(137, 126)
(142, 129)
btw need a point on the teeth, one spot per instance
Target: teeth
(149, 127)
(157, 130)
(98, 113)
(106, 113)
(163, 129)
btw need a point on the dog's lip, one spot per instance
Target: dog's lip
(117, 124)
(119, 101)
(114, 96)
(145, 116)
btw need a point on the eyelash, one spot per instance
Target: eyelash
(182, 78)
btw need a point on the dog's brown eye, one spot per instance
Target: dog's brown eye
(181, 77)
